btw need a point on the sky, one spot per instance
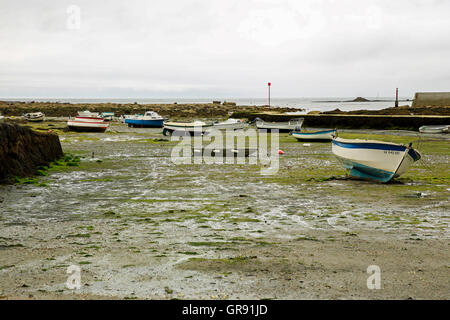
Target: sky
(223, 48)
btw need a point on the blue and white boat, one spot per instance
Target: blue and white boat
(323, 135)
(108, 116)
(372, 159)
(149, 120)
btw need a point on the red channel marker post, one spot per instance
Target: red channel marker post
(269, 84)
(396, 97)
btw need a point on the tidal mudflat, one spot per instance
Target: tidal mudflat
(143, 227)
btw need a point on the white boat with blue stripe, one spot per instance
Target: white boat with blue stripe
(323, 135)
(374, 160)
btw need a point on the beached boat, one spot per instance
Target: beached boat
(108, 116)
(88, 114)
(323, 135)
(186, 128)
(435, 129)
(372, 159)
(34, 116)
(230, 124)
(149, 120)
(293, 124)
(124, 117)
(88, 124)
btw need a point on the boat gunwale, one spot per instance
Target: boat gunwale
(312, 133)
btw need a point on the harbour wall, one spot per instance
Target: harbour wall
(23, 150)
(424, 99)
(382, 122)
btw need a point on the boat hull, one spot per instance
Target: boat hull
(34, 117)
(88, 125)
(40, 119)
(320, 136)
(145, 123)
(229, 126)
(280, 126)
(374, 160)
(186, 129)
(435, 129)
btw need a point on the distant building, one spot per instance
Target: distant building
(424, 99)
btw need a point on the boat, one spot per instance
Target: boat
(435, 129)
(87, 124)
(322, 135)
(374, 160)
(34, 116)
(149, 120)
(186, 128)
(123, 117)
(108, 116)
(88, 114)
(231, 124)
(293, 124)
(1, 117)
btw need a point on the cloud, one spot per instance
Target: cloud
(223, 48)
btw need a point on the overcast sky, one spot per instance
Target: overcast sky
(226, 48)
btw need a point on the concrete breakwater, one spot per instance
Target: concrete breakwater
(382, 122)
(424, 99)
(23, 150)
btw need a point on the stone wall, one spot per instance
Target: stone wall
(23, 150)
(340, 121)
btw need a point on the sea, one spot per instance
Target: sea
(304, 105)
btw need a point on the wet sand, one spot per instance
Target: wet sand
(142, 227)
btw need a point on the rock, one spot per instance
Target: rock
(23, 150)
(337, 110)
(360, 99)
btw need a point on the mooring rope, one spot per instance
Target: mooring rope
(427, 164)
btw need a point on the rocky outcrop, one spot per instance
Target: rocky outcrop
(23, 150)
(360, 99)
(173, 111)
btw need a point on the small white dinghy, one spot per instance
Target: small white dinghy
(34, 116)
(186, 128)
(435, 129)
(372, 159)
(87, 113)
(231, 124)
(293, 124)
